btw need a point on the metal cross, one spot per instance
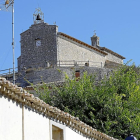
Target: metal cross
(94, 32)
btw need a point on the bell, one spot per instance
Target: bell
(38, 17)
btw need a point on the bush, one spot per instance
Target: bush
(112, 105)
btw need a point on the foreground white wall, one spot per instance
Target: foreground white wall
(17, 123)
(72, 135)
(68, 133)
(10, 120)
(36, 127)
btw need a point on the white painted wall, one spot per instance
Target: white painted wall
(36, 127)
(61, 126)
(68, 133)
(10, 120)
(72, 135)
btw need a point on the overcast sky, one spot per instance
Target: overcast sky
(117, 23)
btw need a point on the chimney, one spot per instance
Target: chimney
(95, 40)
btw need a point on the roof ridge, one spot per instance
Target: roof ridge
(14, 92)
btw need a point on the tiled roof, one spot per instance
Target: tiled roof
(20, 95)
(80, 42)
(110, 51)
(101, 49)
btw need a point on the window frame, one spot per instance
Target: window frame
(61, 126)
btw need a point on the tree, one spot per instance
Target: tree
(111, 105)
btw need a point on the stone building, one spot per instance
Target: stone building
(47, 55)
(43, 46)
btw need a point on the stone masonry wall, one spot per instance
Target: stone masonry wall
(113, 58)
(68, 50)
(57, 74)
(33, 56)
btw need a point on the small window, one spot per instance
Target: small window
(57, 133)
(38, 43)
(77, 75)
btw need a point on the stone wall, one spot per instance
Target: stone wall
(33, 56)
(40, 63)
(68, 50)
(57, 74)
(113, 58)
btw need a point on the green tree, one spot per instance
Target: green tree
(111, 105)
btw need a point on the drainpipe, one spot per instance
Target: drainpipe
(22, 121)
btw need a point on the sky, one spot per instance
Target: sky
(117, 23)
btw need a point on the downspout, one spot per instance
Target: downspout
(22, 121)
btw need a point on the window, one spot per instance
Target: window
(57, 131)
(38, 43)
(77, 75)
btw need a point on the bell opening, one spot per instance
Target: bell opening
(38, 17)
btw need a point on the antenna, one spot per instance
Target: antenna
(8, 5)
(5, 5)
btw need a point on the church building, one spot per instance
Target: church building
(48, 55)
(43, 46)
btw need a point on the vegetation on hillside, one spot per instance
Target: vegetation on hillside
(112, 105)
